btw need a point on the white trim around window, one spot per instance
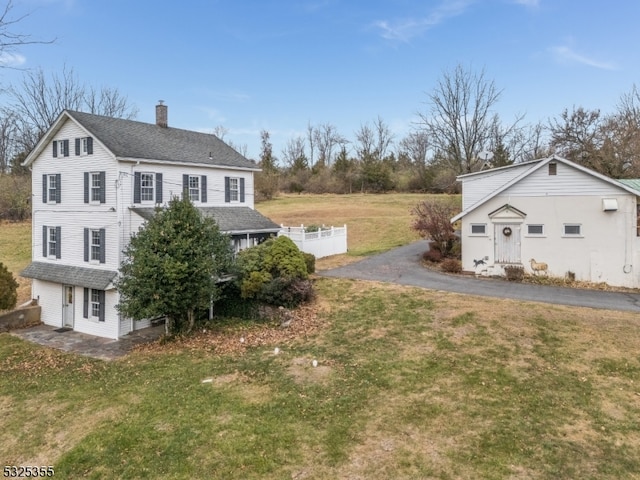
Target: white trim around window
(572, 230)
(478, 229)
(535, 230)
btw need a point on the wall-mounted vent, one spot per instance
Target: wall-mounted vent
(609, 204)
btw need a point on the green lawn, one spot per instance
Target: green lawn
(410, 384)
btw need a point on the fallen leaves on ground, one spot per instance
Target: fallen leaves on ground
(235, 339)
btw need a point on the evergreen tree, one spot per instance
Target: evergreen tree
(171, 266)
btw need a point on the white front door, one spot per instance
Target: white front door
(507, 242)
(67, 306)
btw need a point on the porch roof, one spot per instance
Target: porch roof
(231, 220)
(69, 275)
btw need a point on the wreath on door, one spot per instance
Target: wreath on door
(506, 231)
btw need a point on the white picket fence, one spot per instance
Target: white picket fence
(322, 243)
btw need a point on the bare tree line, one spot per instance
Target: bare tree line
(458, 131)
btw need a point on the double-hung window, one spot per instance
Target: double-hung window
(51, 242)
(146, 187)
(195, 187)
(94, 304)
(94, 187)
(233, 189)
(51, 188)
(95, 245)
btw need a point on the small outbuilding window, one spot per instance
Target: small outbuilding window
(553, 168)
(478, 229)
(535, 229)
(572, 230)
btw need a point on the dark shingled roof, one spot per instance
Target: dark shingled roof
(81, 276)
(137, 140)
(229, 219)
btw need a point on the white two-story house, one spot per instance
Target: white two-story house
(96, 180)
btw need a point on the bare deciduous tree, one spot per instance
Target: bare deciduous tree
(461, 117)
(293, 154)
(577, 135)
(327, 139)
(11, 39)
(38, 101)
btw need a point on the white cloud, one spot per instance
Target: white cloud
(567, 55)
(405, 30)
(8, 59)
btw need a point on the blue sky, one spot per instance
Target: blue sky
(280, 65)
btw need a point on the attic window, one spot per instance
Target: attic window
(609, 204)
(553, 168)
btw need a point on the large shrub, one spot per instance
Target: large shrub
(275, 273)
(8, 289)
(433, 222)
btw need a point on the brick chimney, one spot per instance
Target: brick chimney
(162, 114)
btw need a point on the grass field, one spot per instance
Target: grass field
(410, 384)
(15, 253)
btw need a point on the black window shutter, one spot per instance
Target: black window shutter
(242, 190)
(158, 188)
(103, 245)
(44, 189)
(203, 189)
(55, 148)
(58, 188)
(85, 304)
(77, 146)
(86, 187)
(45, 239)
(227, 190)
(89, 145)
(66, 148)
(103, 187)
(86, 244)
(101, 300)
(185, 186)
(59, 242)
(136, 187)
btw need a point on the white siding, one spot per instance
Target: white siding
(605, 252)
(72, 215)
(49, 296)
(567, 181)
(481, 185)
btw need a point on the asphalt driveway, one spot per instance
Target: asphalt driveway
(402, 266)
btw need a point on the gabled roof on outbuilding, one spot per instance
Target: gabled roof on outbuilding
(133, 140)
(232, 220)
(70, 275)
(536, 165)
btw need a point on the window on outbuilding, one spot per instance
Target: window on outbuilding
(535, 229)
(553, 168)
(478, 229)
(572, 229)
